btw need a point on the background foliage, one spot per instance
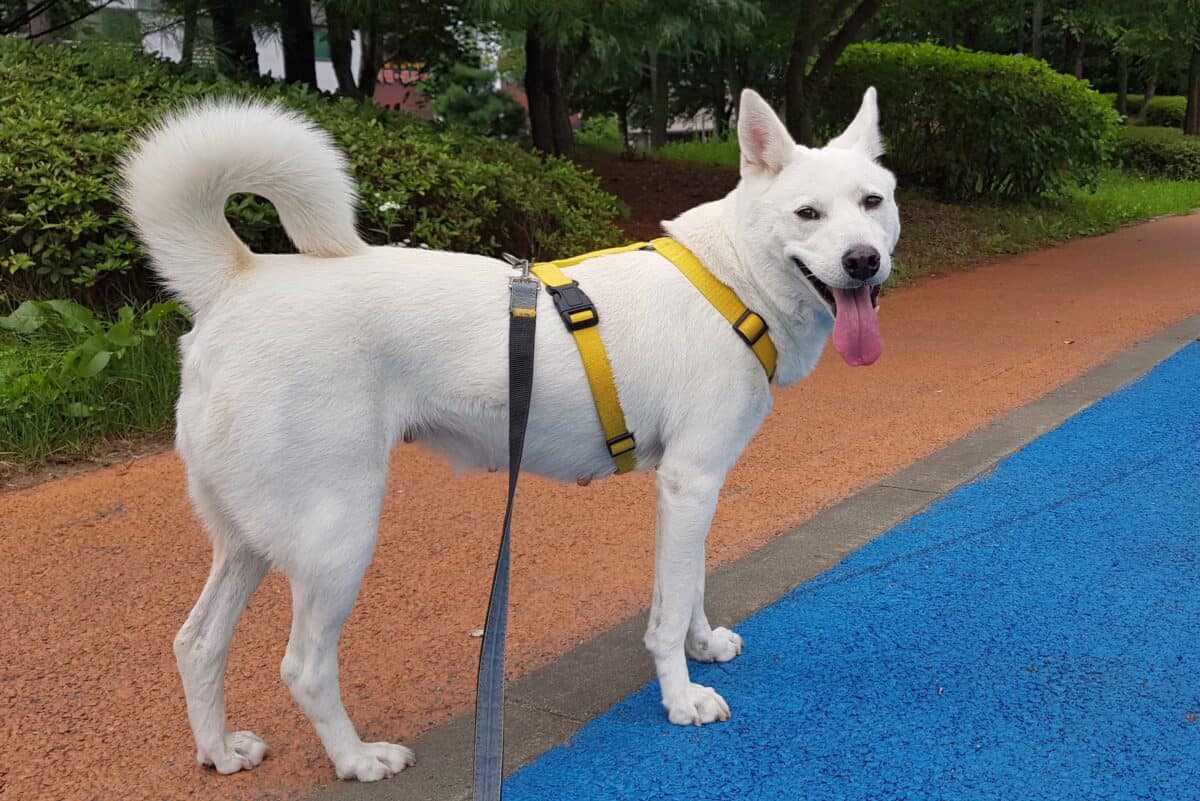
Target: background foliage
(68, 377)
(1162, 152)
(977, 124)
(70, 112)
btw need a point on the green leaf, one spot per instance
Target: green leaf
(73, 316)
(121, 335)
(27, 318)
(93, 365)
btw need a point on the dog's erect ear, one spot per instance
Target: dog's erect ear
(765, 144)
(863, 133)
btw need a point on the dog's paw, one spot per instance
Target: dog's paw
(720, 645)
(240, 750)
(371, 762)
(699, 705)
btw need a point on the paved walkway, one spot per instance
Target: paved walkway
(100, 570)
(1033, 635)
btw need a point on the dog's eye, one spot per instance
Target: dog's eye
(808, 213)
(872, 201)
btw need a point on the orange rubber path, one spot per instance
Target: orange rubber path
(98, 571)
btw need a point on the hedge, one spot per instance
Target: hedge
(1167, 111)
(1133, 102)
(975, 124)
(69, 113)
(1159, 152)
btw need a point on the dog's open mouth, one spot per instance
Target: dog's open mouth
(824, 291)
(855, 327)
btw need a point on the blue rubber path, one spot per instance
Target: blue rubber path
(1033, 635)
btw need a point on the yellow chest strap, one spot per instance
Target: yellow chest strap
(582, 320)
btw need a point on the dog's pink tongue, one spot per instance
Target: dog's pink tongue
(856, 330)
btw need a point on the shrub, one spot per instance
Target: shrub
(601, 131)
(68, 114)
(1167, 111)
(976, 124)
(1133, 103)
(1163, 111)
(1162, 152)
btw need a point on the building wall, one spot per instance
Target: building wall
(394, 88)
(270, 55)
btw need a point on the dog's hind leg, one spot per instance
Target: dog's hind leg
(202, 646)
(325, 580)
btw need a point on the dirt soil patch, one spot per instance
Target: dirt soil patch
(656, 190)
(19, 475)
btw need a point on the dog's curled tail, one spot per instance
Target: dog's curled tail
(178, 178)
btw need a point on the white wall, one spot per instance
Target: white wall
(168, 43)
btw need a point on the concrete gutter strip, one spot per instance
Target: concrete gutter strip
(547, 706)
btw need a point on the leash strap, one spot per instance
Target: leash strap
(489, 702)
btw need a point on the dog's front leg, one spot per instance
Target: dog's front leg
(687, 498)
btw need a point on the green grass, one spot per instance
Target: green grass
(57, 398)
(715, 152)
(939, 237)
(600, 132)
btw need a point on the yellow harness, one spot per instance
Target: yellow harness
(579, 314)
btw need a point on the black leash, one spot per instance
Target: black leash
(489, 689)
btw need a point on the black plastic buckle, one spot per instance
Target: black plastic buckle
(746, 315)
(622, 443)
(574, 307)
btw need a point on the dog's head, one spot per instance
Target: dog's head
(819, 224)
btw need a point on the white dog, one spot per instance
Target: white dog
(302, 372)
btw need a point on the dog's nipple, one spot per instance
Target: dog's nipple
(583, 481)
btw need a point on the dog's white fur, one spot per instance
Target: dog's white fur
(302, 372)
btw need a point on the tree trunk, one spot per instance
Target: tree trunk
(733, 74)
(1035, 34)
(658, 100)
(798, 115)
(972, 33)
(560, 110)
(549, 111)
(720, 109)
(237, 55)
(541, 124)
(299, 54)
(372, 56)
(1147, 96)
(188, 46)
(39, 23)
(798, 109)
(1123, 84)
(804, 85)
(1191, 117)
(1074, 55)
(623, 125)
(338, 34)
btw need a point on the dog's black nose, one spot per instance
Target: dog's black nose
(861, 262)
